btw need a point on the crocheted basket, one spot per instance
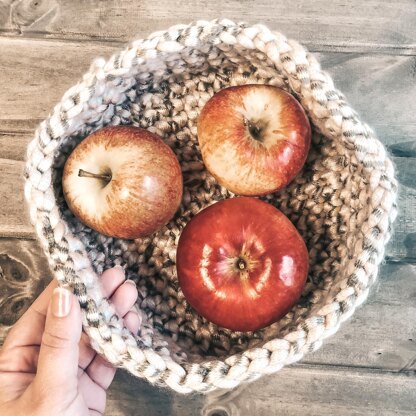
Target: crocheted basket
(342, 203)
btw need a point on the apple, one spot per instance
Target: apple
(254, 138)
(123, 182)
(241, 264)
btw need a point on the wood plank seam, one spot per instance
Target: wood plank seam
(314, 47)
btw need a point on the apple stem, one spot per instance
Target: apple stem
(85, 174)
(241, 264)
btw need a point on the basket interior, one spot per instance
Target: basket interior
(165, 95)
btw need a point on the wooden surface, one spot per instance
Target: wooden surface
(369, 366)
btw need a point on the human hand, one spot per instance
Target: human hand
(47, 366)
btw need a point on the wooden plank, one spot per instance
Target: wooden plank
(24, 273)
(296, 390)
(36, 73)
(379, 88)
(13, 145)
(347, 25)
(19, 126)
(381, 335)
(403, 243)
(319, 392)
(14, 215)
(14, 219)
(132, 396)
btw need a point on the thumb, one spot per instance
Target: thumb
(59, 351)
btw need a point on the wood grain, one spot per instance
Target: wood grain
(380, 335)
(13, 145)
(372, 83)
(131, 396)
(403, 244)
(298, 390)
(347, 25)
(54, 67)
(24, 273)
(14, 218)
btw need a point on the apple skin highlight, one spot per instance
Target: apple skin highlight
(254, 139)
(241, 264)
(136, 183)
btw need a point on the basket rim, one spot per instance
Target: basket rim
(327, 110)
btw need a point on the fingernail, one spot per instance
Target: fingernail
(131, 282)
(61, 302)
(118, 267)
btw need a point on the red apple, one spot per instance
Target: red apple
(241, 264)
(254, 139)
(123, 182)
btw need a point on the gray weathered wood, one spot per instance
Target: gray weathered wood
(380, 335)
(372, 83)
(131, 396)
(35, 74)
(13, 145)
(24, 273)
(14, 219)
(298, 390)
(342, 24)
(14, 216)
(403, 243)
(318, 392)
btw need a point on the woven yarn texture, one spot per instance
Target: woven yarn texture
(343, 203)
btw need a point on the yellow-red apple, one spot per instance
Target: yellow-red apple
(254, 139)
(123, 181)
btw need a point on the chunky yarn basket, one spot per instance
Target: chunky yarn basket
(342, 203)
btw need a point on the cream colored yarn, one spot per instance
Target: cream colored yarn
(343, 203)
